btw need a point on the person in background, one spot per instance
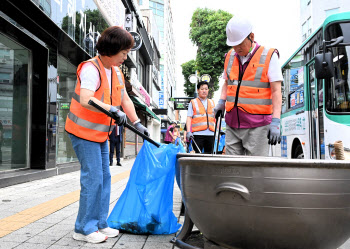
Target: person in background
(1, 139)
(169, 136)
(115, 139)
(251, 94)
(188, 142)
(100, 80)
(200, 117)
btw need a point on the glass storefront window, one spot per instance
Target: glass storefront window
(14, 104)
(67, 78)
(81, 20)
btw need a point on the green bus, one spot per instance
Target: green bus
(316, 93)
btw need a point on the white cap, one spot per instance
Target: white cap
(237, 29)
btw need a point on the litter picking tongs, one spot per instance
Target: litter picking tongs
(219, 115)
(108, 113)
(196, 145)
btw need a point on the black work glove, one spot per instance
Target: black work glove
(118, 115)
(274, 134)
(141, 129)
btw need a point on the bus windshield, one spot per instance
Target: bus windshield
(338, 88)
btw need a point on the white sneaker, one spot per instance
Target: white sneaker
(110, 232)
(95, 237)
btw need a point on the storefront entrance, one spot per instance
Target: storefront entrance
(15, 70)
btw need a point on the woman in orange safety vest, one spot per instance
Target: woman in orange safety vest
(99, 79)
(200, 116)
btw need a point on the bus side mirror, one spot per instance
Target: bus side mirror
(324, 68)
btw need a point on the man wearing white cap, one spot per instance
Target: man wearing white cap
(251, 94)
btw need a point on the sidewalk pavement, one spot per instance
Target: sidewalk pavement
(41, 214)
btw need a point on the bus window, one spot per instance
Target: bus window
(293, 82)
(337, 88)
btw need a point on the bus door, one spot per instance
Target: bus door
(313, 112)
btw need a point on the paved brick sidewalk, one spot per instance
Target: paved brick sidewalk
(46, 211)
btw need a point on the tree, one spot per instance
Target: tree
(208, 33)
(188, 68)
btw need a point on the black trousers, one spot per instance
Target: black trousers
(114, 144)
(203, 142)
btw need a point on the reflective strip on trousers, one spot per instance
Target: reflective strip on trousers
(88, 124)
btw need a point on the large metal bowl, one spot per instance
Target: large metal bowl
(267, 203)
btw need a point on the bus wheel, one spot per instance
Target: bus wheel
(299, 154)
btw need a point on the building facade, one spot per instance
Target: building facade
(314, 12)
(163, 16)
(42, 43)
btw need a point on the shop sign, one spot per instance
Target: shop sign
(137, 41)
(64, 106)
(128, 22)
(145, 95)
(164, 124)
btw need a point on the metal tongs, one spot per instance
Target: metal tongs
(108, 113)
(219, 116)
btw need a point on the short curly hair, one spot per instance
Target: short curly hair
(113, 40)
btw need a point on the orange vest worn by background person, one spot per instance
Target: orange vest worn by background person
(252, 92)
(91, 125)
(202, 119)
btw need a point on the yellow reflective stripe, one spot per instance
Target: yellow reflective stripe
(88, 124)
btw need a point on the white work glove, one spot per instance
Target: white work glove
(189, 136)
(274, 134)
(219, 109)
(141, 129)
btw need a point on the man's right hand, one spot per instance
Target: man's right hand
(189, 135)
(119, 116)
(220, 108)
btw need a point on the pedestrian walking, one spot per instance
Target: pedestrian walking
(200, 117)
(169, 136)
(251, 93)
(115, 139)
(100, 80)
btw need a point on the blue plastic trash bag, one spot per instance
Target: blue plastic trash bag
(221, 143)
(145, 206)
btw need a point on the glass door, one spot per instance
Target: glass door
(14, 104)
(313, 113)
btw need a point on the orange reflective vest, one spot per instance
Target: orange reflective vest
(202, 119)
(92, 125)
(252, 92)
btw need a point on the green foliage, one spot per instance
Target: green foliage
(188, 68)
(208, 33)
